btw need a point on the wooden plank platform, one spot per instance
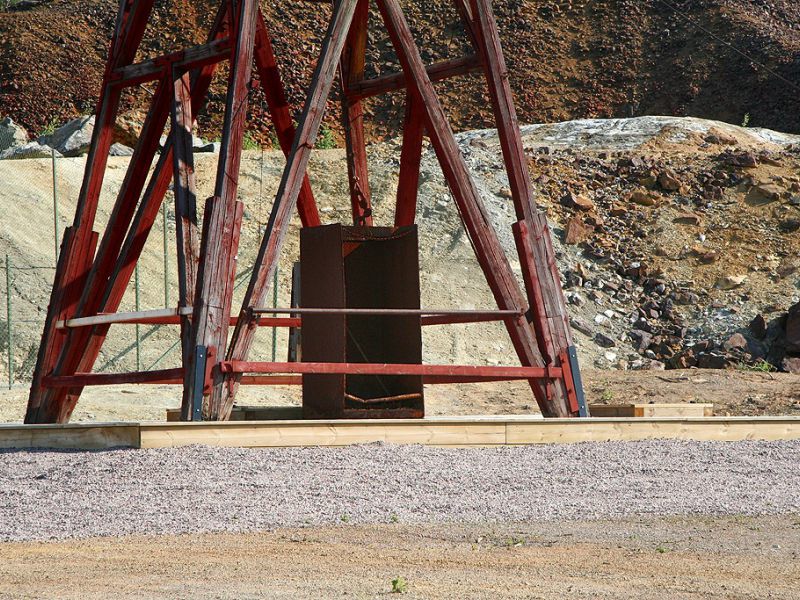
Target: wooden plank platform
(95, 436)
(435, 431)
(658, 409)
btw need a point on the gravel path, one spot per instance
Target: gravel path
(53, 495)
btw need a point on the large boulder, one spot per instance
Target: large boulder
(72, 139)
(120, 150)
(793, 330)
(29, 150)
(11, 135)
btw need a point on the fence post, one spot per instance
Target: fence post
(166, 259)
(275, 305)
(55, 204)
(9, 326)
(136, 300)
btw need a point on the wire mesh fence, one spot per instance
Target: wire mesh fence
(39, 197)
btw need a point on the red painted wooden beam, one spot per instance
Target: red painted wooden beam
(351, 70)
(281, 115)
(488, 250)
(410, 159)
(288, 192)
(461, 371)
(184, 60)
(366, 88)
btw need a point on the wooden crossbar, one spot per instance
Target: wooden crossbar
(463, 372)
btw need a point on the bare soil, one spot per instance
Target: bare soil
(732, 393)
(669, 558)
(567, 60)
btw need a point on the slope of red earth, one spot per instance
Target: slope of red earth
(567, 59)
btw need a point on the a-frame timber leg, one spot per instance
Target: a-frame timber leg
(104, 281)
(410, 160)
(352, 70)
(225, 384)
(47, 405)
(537, 257)
(186, 231)
(476, 221)
(281, 115)
(223, 217)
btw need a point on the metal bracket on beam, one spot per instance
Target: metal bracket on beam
(200, 357)
(572, 356)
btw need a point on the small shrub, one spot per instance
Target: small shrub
(746, 120)
(760, 366)
(399, 585)
(249, 142)
(51, 126)
(325, 140)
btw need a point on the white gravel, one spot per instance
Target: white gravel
(53, 495)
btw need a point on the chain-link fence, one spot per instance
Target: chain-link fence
(39, 197)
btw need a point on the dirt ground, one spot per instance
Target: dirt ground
(731, 392)
(654, 558)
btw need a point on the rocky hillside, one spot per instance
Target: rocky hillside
(676, 237)
(568, 59)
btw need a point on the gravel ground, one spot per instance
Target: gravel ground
(55, 495)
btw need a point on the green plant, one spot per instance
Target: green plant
(515, 542)
(325, 139)
(661, 550)
(344, 518)
(6, 4)
(51, 126)
(607, 395)
(394, 518)
(746, 120)
(249, 142)
(399, 585)
(760, 366)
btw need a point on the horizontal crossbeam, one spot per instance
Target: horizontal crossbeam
(171, 316)
(462, 371)
(397, 81)
(156, 68)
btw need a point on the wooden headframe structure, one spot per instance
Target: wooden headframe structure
(93, 272)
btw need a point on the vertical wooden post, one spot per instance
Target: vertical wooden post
(186, 235)
(214, 295)
(545, 269)
(476, 220)
(410, 158)
(9, 325)
(286, 199)
(352, 69)
(281, 115)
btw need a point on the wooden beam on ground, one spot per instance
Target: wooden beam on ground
(286, 198)
(70, 437)
(477, 431)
